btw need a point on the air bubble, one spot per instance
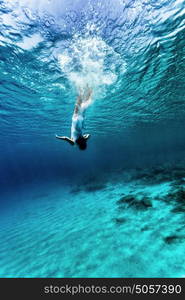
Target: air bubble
(49, 22)
(4, 8)
(52, 21)
(2, 5)
(62, 23)
(71, 16)
(29, 14)
(64, 34)
(15, 15)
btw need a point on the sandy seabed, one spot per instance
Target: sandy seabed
(127, 224)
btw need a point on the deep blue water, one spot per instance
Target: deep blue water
(117, 208)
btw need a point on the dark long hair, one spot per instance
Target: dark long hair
(82, 143)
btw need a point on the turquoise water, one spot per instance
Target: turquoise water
(117, 208)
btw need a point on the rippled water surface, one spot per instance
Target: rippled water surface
(55, 197)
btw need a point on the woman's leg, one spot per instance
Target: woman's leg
(78, 103)
(88, 93)
(83, 100)
(87, 99)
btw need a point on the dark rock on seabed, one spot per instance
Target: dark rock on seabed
(178, 198)
(173, 239)
(132, 201)
(120, 221)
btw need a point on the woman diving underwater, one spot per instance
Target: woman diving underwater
(84, 99)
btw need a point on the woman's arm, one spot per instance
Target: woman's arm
(86, 136)
(65, 138)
